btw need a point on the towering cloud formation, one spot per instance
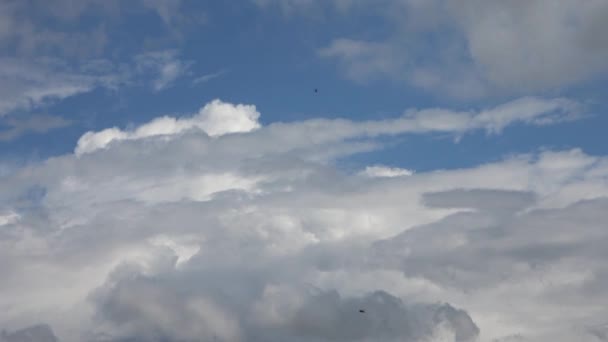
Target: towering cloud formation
(215, 227)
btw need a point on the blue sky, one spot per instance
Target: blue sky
(173, 156)
(267, 55)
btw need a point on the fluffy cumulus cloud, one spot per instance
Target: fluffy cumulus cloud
(214, 227)
(474, 48)
(215, 119)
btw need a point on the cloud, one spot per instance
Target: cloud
(167, 10)
(472, 48)
(218, 118)
(165, 65)
(30, 84)
(25, 31)
(8, 218)
(173, 234)
(515, 47)
(364, 61)
(208, 77)
(29, 28)
(55, 51)
(385, 171)
(480, 199)
(215, 119)
(141, 309)
(35, 124)
(521, 260)
(287, 6)
(36, 333)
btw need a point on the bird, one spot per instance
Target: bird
(362, 311)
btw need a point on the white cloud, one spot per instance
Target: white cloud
(28, 85)
(45, 61)
(174, 235)
(218, 118)
(385, 171)
(215, 119)
(8, 218)
(165, 65)
(208, 77)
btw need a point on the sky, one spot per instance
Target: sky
(262, 170)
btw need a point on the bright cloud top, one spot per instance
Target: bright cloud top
(216, 118)
(385, 171)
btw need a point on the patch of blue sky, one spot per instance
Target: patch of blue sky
(270, 59)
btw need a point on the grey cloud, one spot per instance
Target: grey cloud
(36, 333)
(599, 331)
(492, 236)
(514, 45)
(25, 24)
(554, 250)
(386, 318)
(35, 124)
(363, 60)
(160, 309)
(481, 47)
(484, 200)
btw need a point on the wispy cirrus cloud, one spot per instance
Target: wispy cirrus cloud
(33, 124)
(164, 66)
(30, 84)
(208, 77)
